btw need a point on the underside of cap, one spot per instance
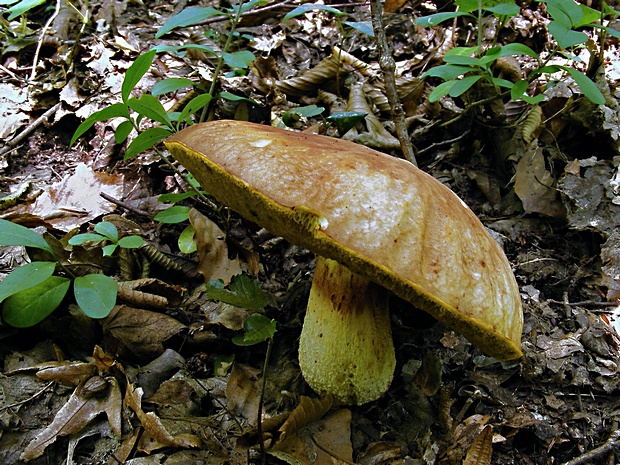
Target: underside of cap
(380, 216)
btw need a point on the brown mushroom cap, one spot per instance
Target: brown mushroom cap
(379, 216)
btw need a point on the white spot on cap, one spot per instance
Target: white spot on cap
(261, 143)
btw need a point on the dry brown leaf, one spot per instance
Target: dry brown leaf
(153, 426)
(393, 5)
(242, 392)
(326, 441)
(309, 410)
(79, 410)
(70, 373)
(141, 332)
(150, 292)
(212, 248)
(481, 448)
(380, 452)
(536, 187)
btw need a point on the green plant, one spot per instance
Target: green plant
(32, 292)
(107, 232)
(465, 66)
(20, 7)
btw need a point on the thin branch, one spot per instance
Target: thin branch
(589, 456)
(388, 66)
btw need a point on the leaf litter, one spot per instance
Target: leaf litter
(555, 404)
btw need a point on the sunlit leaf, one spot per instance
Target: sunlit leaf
(463, 85)
(95, 294)
(345, 120)
(122, 132)
(22, 7)
(504, 9)
(187, 17)
(186, 240)
(135, 72)
(564, 36)
(441, 90)
(33, 305)
(80, 239)
(438, 18)
(195, 104)
(113, 111)
(448, 72)
(151, 107)
(365, 27)
(170, 85)
(240, 59)
(131, 242)
(587, 86)
(108, 250)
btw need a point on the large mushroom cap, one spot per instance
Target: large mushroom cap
(379, 216)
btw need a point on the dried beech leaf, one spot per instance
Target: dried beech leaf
(242, 392)
(326, 441)
(481, 448)
(308, 411)
(69, 373)
(75, 415)
(152, 424)
(535, 186)
(212, 248)
(142, 332)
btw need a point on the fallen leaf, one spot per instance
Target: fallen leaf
(308, 411)
(481, 448)
(242, 392)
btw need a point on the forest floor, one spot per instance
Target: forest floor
(550, 194)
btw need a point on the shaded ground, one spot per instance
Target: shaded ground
(552, 198)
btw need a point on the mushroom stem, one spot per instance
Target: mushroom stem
(346, 342)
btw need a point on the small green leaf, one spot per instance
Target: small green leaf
(113, 111)
(239, 59)
(135, 72)
(503, 9)
(258, 328)
(187, 17)
(303, 9)
(345, 120)
(590, 15)
(95, 294)
(80, 239)
(174, 198)
(146, 140)
(438, 18)
(151, 107)
(180, 49)
(463, 85)
(33, 305)
(365, 27)
(461, 60)
(586, 85)
(517, 49)
(568, 13)
(533, 100)
(503, 83)
(566, 37)
(518, 89)
(307, 111)
(16, 234)
(242, 292)
(22, 7)
(235, 98)
(108, 250)
(122, 132)
(25, 277)
(107, 229)
(223, 364)
(171, 85)
(131, 242)
(195, 104)
(447, 72)
(186, 241)
(173, 215)
(441, 91)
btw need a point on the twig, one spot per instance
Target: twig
(388, 66)
(588, 457)
(124, 205)
(32, 397)
(31, 127)
(42, 39)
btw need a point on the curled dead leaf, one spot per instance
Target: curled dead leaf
(308, 411)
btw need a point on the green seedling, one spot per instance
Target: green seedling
(32, 292)
(465, 66)
(107, 232)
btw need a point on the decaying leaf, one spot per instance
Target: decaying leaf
(141, 332)
(326, 441)
(242, 392)
(376, 135)
(149, 292)
(79, 410)
(152, 424)
(212, 248)
(536, 187)
(481, 448)
(308, 411)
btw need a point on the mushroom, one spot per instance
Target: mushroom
(378, 224)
